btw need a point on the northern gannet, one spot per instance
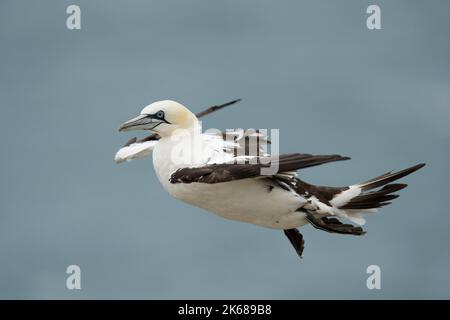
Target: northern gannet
(226, 176)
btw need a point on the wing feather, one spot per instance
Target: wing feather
(223, 172)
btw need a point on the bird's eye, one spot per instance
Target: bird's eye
(160, 114)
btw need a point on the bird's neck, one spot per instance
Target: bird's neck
(190, 131)
(183, 147)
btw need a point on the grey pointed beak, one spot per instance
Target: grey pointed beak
(141, 122)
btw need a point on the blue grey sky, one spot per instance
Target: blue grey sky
(310, 68)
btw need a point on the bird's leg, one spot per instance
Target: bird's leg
(296, 239)
(333, 225)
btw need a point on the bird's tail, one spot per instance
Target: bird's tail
(356, 200)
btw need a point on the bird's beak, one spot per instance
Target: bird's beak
(141, 122)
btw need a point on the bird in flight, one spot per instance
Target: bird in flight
(230, 174)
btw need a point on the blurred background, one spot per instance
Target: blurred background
(310, 68)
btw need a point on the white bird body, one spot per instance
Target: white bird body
(229, 177)
(246, 200)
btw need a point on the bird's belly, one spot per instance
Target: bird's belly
(248, 200)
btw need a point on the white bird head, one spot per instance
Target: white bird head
(163, 118)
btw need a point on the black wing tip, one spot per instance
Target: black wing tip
(331, 156)
(338, 157)
(229, 103)
(130, 142)
(235, 101)
(415, 167)
(216, 107)
(410, 170)
(418, 166)
(393, 187)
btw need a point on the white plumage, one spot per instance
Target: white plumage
(224, 174)
(246, 200)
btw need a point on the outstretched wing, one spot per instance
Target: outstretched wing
(135, 150)
(223, 172)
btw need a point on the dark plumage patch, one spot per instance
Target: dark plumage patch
(383, 196)
(375, 199)
(296, 239)
(282, 184)
(324, 194)
(333, 225)
(216, 173)
(389, 177)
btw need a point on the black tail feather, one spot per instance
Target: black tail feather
(389, 177)
(381, 197)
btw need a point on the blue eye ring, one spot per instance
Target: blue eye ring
(160, 114)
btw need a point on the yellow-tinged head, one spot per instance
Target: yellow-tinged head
(162, 117)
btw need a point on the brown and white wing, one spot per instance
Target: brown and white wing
(224, 172)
